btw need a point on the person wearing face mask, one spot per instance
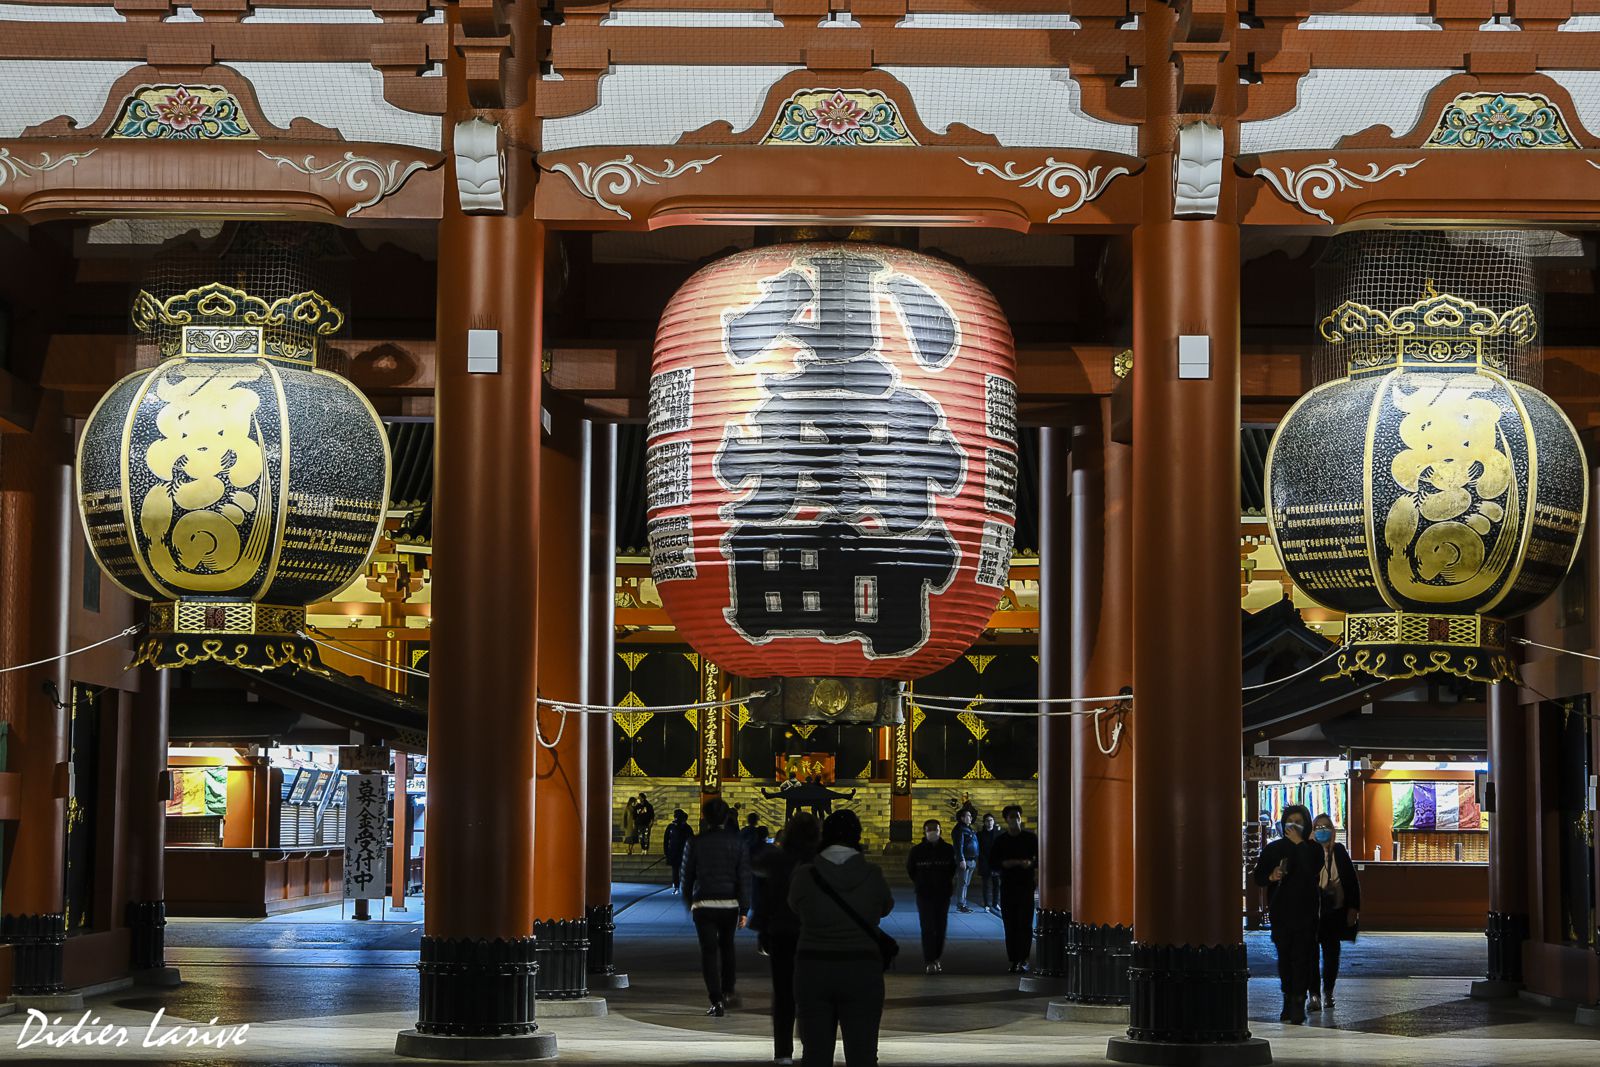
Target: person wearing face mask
(1015, 855)
(1341, 908)
(1289, 867)
(931, 863)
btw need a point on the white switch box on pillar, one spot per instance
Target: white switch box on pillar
(1194, 356)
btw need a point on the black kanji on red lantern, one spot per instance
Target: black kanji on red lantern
(838, 536)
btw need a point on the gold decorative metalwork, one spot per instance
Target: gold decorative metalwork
(980, 662)
(975, 726)
(1398, 645)
(1439, 328)
(289, 326)
(165, 653)
(227, 617)
(631, 769)
(1122, 363)
(805, 729)
(978, 773)
(693, 658)
(633, 659)
(631, 722)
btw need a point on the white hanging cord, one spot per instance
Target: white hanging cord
(932, 700)
(1296, 674)
(363, 659)
(538, 734)
(990, 713)
(129, 632)
(1553, 648)
(1116, 730)
(606, 709)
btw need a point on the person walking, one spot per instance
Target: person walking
(630, 825)
(931, 863)
(1015, 855)
(754, 835)
(1340, 894)
(674, 840)
(777, 926)
(991, 877)
(839, 964)
(966, 848)
(716, 886)
(1289, 866)
(644, 817)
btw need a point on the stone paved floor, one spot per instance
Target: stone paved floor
(317, 990)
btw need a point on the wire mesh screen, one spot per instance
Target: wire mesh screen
(1430, 296)
(269, 261)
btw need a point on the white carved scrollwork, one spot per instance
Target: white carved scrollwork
(1321, 180)
(358, 173)
(1197, 171)
(1058, 179)
(617, 177)
(480, 166)
(12, 167)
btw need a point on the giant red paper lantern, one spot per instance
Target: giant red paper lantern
(832, 461)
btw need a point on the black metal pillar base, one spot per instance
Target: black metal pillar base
(38, 943)
(147, 926)
(602, 940)
(476, 989)
(561, 947)
(418, 1045)
(1505, 933)
(1098, 957)
(1050, 944)
(1188, 1005)
(1252, 1052)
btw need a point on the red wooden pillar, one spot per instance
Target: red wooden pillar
(1509, 817)
(599, 657)
(477, 968)
(1048, 970)
(1188, 974)
(562, 805)
(145, 823)
(35, 505)
(1100, 938)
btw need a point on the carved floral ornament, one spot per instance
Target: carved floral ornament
(181, 113)
(839, 117)
(1501, 121)
(617, 177)
(358, 173)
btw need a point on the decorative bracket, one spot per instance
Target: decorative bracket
(480, 167)
(1197, 171)
(12, 167)
(1319, 181)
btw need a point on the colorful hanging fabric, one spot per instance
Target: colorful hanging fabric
(1404, 805)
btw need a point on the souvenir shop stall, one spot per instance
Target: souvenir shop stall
(270, 823)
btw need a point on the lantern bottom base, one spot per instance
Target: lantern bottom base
(875, 701)
(236, 633)
(1396, 645)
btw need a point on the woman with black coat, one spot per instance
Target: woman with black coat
(777, 926)
(1290, 866)
(1341, 908)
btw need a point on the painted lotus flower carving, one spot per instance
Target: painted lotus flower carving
(181, 109)
(838, 114)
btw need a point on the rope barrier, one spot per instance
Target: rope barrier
(129, 632)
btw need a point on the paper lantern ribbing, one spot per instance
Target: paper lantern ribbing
(234, 483)
(1426, 493)
(831, 466)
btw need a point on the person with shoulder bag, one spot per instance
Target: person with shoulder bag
(1341, 909)
(1288, 866)
(842, 954)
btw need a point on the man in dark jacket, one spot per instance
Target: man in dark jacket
(931, 863)
(1290, 867)
(987, 836)
(716, 886)
(754, 835)
(676, 839)
(1015, 857)
(966, 846)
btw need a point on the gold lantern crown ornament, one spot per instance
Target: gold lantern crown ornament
(1425, 492)
(235, 482)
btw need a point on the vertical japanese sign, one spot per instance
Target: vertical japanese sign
(365, 836)
(902, 758)
(710, 728)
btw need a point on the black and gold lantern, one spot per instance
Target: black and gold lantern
(235, 482)
(1427, 493)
